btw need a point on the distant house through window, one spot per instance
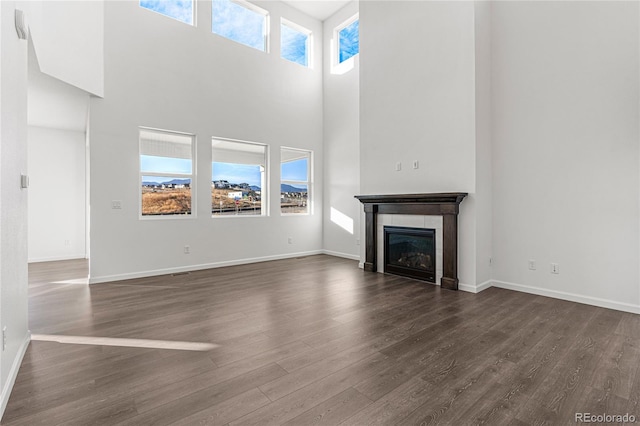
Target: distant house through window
(182, 10)
(166, 172)
(295, 43)
(295, 181)
(241, 22)
(238, 178)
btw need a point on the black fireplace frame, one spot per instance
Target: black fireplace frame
(428, 275)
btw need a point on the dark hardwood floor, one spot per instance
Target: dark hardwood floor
(316, 340)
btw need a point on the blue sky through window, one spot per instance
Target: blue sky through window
(295, 170)
(238, 23)
(349, 41)
(293, 45)
(182, 10)
(236, 173)
(151, 163)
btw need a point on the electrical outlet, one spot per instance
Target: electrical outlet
(398, 166)
(67, 242)
(532, 265)
(555, 268)
(290, 240)
(116, 204)
(358, 242)
(187, 250)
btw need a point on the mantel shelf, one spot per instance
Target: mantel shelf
(430, 198)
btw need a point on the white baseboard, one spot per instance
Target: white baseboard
(189, 268)
(572, 297)
(474, 288)
(343, 255)
(56, 258)
(13, 373)
(361, 265)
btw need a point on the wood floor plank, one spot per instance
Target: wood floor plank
(316, 340)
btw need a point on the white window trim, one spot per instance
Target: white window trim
(338, 67)
(265, 179)
(309, 43)
(192, 176)
(308, 182)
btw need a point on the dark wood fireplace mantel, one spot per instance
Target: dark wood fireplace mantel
(445, 204)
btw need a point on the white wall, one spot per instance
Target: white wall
(69, 40)
(483, 196)
(182, 78)
(417, 102)
(341, 147)
(13, 199)
(566, 158)
(56, 194)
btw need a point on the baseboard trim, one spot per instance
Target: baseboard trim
(56, 258)
(340, 254)
(475, 288)
(189, 268)
(13, 373)
(571, 297)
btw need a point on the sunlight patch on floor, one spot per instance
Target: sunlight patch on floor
(84, 280)
(130, 343)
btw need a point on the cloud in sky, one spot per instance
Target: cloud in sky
(293, 45)
(182, 10)
(238, 23)
(349, 41)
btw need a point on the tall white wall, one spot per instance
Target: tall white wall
(566, 159)
(56, 194)
(341, 146)
(484, 150)
(13, 199)
(165, 74)
(417, 102)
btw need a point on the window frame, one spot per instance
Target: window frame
(194, 5)
(191, 176)
(308, 45)
(264, 200)
(266, 29)
(308, 182)
(346, 65)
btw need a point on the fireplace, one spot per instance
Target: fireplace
(410, 252)
(445, 204)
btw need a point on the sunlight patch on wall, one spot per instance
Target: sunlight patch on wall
(342, 220)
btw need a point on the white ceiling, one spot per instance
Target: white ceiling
(319, 9)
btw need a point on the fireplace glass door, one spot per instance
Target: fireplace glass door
(410, 252)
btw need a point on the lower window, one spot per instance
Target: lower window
(238, 178)
(166, 172)
(295, 181)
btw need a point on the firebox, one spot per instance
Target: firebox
(410, 252)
